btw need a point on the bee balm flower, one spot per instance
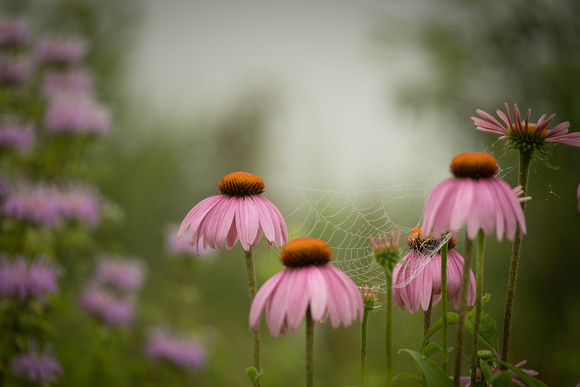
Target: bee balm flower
(473, 197)
(239, 213)
(307, 283)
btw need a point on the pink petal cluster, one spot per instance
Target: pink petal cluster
(13, 32)
(478, 204)
(14, 70)
(181, 247)
(223, 220)
(521, 128)
(324, 290)
(106, 307)
(417, 281)
(58, 83)
(15, 135)
(182, 352)
(122, 274)
(61, 50)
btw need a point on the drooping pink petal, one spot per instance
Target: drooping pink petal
(197, 213)
(352, 293)
(263, 298)
(299, 298)
(318, 291)
(278, 306)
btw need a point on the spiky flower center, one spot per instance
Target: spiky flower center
(475, 165)
(527, 131)
(305, 252)
(241, 184)
(426, 245)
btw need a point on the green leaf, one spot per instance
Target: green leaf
(434, 375)
(527, 379)
(253, 374)
(438, 325)
(430, 349)
(487, 327)
(411, 377)
(500, 379)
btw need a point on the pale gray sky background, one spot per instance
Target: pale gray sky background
(338, 127)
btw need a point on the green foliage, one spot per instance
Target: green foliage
(434, 375)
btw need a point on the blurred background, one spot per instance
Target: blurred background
(335, 97)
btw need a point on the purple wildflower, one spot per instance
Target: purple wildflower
(417, 277)
(240, 212)
(39, 204)
(22, 280)
(473, 197)
(13, 32)
(180, 246)
(106, 307)
(182, 352)
(122, 274)
(521, 133)
(307, 283)
(14, 135)
(14, 278)
(76, 114)
(57, 83)
(78, 203)
(36, 367)
(14, 70)
(61, 50)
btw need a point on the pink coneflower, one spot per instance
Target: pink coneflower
(308, 283)
(240, 212)
(106, 307)
(121, 274)
(36, 366)
(180, 351)
(76, 114)
(473, 197)
(523, 135)
(13, 32)
(61, 50)
(15, 135)
(417, 277)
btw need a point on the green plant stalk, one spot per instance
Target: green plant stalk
(444, 305)
(525, 161)
(461, 313)
(389, 328)
(363, 347)
(427, 318)
(309, 349)
(253, 288)
(478, 302)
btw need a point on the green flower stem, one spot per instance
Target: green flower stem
(444, 304)
(309, 349)
(253, 287)
(389, 328)
(462, 308)
(525, 160)
(363, 347)
(478, 302)
(427, 318)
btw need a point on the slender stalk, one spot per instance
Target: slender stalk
(253, 288)
(427, 318)
(478, 302)
(525, 160)
(363, 347)
(444, 304)
(309, 350)
(389, 329)
(462, 307)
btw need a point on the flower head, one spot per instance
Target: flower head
(106, 307)
(14, 70)
(308, 283)
(36, 366)
(473, 197)
(57, 83)
(15, 135)
(386, 250)
(76, 114)
(369, 296)
(61, 50)
(13, 32)
(521, 133)
(239, 213)
(417, 277)
(121, 274)
(182, 352)
(22, 280)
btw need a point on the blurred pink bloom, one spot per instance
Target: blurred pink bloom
(106, 307)
(22, 280)
(77, 82)
(182, 352)
(474, 197)
(14, 70)
(15, 135)
(38, 204)
(79, 203)
(240, 212)
(181, 246)
(521, 132)
(122, 274)
(61, 50)
(36, 366)
(76, 114)
(307, 283)
(417, 277)
(13, 32)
